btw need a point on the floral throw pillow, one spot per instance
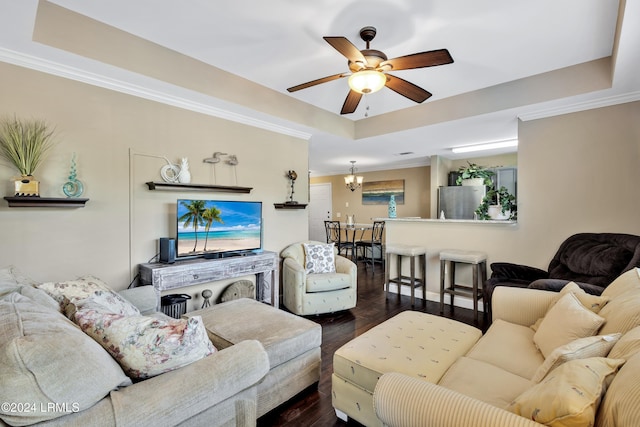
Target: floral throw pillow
(146, 346)
(78, 292)
(319, 258)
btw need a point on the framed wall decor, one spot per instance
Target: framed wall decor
(379, 192)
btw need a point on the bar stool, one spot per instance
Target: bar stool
(400, 250)
(478, 262)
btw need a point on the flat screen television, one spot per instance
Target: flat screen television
(218, 228)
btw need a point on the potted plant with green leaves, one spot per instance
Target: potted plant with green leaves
(25, 144)
(474, 174)
(497, 204)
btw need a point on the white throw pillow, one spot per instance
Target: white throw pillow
(627, 281)
(569, 395)
(627, 346)
(592, 302)
(582, 348)
(622, 313)
(319, 258)
(566, 321)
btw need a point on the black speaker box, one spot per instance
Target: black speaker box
(167, 250)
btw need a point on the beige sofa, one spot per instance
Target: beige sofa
(431, 372)
(53, 374)
(292, 344)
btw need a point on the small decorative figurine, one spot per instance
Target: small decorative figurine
(215, 159)
(233, 161)
(206, 294)
(292, 175)
(184, 177)
(73, 187)
(170, 172)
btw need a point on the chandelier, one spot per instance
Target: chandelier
(352, 181)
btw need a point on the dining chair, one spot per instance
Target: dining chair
(332, 228)
(348, 245)
(345, 246)
(370, 247)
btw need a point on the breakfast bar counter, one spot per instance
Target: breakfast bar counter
(498, 239)
(449, 221)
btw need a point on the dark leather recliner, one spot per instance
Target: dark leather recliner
(592, 260)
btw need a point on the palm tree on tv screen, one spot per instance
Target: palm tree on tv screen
(210, 215)
(195, 210)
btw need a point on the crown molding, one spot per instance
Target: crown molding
(72, 73)
(581, 106)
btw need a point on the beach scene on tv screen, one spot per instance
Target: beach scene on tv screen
(217, 226)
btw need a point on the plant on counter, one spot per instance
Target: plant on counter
(474, 170)
(501, 200)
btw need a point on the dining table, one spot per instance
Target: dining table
(349, 232)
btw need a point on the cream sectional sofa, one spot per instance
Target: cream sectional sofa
(421, 370)
(53, 374)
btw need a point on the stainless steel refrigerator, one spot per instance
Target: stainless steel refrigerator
(459, 201)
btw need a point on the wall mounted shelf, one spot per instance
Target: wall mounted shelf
(45, 202)
(197, 187)
(289, 205)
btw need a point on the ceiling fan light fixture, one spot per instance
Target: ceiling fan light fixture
(367, 81)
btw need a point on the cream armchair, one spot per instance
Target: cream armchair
(306, 294)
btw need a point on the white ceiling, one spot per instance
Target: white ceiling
(279, 44)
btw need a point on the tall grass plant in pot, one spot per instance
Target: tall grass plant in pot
(25, 144)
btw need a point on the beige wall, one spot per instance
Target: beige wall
(122, 221)
(576, 173)
(416, 194)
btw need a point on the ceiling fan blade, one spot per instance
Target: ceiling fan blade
(419, 60)
(406, 89)
(351, 102)
(346, 48)
(317, 82)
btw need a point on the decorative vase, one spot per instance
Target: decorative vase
(351, 220)
(73, 187)
(184, 177)
(495, 212)
(473, 181)
(26, 185)
(392, 206)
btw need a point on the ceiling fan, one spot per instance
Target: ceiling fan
(370, 70)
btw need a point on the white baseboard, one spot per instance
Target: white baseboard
(462, 302)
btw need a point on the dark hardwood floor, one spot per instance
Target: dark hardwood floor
(313, 407)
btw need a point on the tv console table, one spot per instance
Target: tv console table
(164, 277)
